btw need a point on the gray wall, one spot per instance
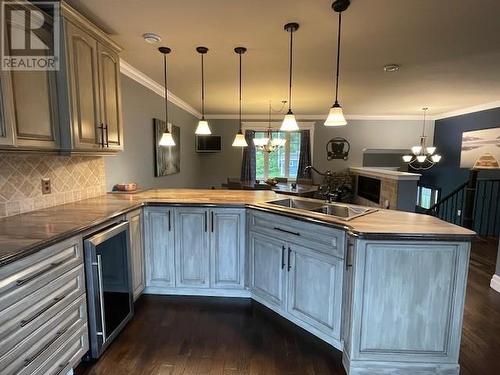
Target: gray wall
(136, 162)
(360, 133)
(379, 134)
(217, 167)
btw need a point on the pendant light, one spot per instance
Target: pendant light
(166, 139)
(424, 157)
(289, 123)
(336, 115)
(239, 140)
(202, 128)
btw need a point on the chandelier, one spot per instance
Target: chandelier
(268, 143)
(424, 157)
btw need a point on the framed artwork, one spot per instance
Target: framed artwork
(167, 159)
(481, 149)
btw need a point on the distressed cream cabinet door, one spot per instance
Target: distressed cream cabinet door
(315, 289)
(268, 268)
(85, 98)
(192, 250)
(136, 252)
(227, 248)
(109, 80)
(30, 101)
(160, 247)
(6, 124)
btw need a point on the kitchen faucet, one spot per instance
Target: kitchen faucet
(325, 189)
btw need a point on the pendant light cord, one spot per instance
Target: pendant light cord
(423, 126)
(290, 76)
(338, 60)
(202, 89)
(166, 89)
(240, 97)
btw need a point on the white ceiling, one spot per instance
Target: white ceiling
(449, 51)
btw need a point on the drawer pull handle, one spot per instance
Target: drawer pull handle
(58, 334)
(348, 256)
(39, 273)
(287, 231)
(289, 256)
(41, 311)
(283, 257)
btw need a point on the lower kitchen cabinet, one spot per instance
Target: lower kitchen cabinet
(136, 252)
(192, 251)
(43, 310)
(315, 289)
(299, 282)
(227, 248)
(159, 247)
(267, 268)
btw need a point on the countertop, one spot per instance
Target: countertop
(24, 234)
(386, 173)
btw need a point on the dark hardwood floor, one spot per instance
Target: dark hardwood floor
(196, 335)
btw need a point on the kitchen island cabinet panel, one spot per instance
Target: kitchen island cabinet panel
(192, 251)
(136, 251)
(267, 268)
(407, 306)
(315, 289)
(160, 247)
(227, 248)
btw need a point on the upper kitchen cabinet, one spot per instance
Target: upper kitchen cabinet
(74, 110)
(30, 118)
(6, 134)
(91, 79)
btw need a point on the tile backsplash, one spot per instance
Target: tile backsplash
(72, 179)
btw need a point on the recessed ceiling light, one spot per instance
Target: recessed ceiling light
(151, 38)
(392, 68)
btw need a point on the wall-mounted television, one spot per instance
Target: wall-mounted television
(208, 143)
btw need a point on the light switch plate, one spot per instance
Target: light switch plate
(46, 188)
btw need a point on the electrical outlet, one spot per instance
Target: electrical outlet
(46, 188)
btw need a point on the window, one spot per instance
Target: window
(427, 196)
(282, 162)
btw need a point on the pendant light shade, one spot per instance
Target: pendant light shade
(203, 128)
(336, 115)
(239, 140)
(166, 139)
(289, 123)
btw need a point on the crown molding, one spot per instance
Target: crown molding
(265, 117)
(148, 82)
(467, 110)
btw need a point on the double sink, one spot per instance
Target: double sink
(337, 210)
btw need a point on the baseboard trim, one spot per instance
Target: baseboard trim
(240, 293)
(495, 283)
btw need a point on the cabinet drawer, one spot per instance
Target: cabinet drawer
(23, 277)
(42, 342)
(21, 319)
(321, 238)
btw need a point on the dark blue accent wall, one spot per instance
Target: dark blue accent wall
(448, 139)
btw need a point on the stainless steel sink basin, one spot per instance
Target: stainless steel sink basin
(298, 203)
(345, 212)
(338, 210)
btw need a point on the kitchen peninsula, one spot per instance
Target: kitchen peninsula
(387, 288)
